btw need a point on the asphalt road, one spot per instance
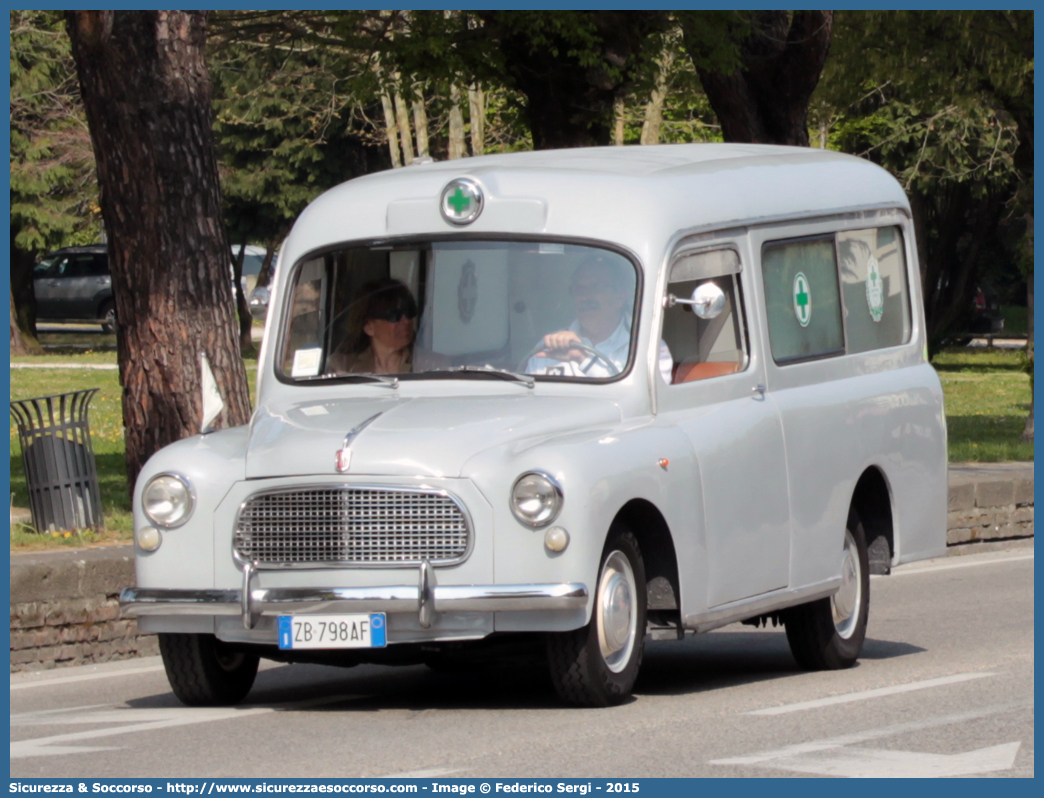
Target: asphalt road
(944, 687)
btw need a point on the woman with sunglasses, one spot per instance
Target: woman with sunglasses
(381, 333)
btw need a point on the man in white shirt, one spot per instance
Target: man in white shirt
(603, 294)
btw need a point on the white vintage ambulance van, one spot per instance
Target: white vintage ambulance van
(585, 398)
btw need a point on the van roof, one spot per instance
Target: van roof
(630, 196)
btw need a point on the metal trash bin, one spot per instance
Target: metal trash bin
(60, 471)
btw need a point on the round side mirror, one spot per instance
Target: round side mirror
(258, 303)
(708, 301)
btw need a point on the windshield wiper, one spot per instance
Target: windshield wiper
(391, 382)
(525, 379)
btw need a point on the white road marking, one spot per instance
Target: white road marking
(863, 695)
(84, 677)
(946, 566)
(871, 763)
(135, 720)
(855, 738)
(178, 716)
(421, 774)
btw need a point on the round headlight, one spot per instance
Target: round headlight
(536, 499)
(167, 500)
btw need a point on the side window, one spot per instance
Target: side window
(100, 265)
(704, 347)
(303, 353)
(61, 267)
(803, 299)
(873, 277)
(45, 268)
(79, 266)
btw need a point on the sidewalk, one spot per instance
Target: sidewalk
(95, 366)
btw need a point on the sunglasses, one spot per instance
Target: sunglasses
(395, 314)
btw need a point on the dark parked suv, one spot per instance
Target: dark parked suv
(73, 284)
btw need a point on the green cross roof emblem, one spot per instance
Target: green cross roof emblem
(458, 200)
(461, 201)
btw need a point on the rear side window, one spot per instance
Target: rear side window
(803, 299)
(78, 265)
(873, 278)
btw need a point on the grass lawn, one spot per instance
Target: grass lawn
(987, 399)
(106, 420)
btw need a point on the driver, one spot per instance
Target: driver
(602, 293)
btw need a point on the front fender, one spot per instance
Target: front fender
(100, 298)
(211, 463)
(600, 471)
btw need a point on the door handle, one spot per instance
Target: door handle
(758, 392)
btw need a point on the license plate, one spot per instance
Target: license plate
(333, 631)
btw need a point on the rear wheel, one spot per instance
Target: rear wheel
(107, 317)
(828, 634)
(596, 666)
(205, 672)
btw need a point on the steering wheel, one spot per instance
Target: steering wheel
(540, 347)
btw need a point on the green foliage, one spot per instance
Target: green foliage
(563, 68)
(289, 116)
(53, 191)
(714, 38)
(937, 99)
(923, 144)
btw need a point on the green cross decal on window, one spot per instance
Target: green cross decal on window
(802, 299)
(874, 289)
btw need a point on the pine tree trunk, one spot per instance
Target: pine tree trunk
(392, 129)
(420, 124)
(456, 126)
(246, 321)
(18, 346)
(402, 115)
(264, 277)
(146, 92)
(618, 121)
(477, 115)
(654, 108)
(23, 300)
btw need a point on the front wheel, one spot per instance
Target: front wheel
(828, 634)
(597, 665)
(205, 672)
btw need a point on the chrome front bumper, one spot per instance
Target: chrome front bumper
(425, 599)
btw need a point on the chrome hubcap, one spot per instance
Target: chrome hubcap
(228, 661)
(616, 612)
(848, 601)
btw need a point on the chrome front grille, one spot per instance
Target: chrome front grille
(351, 525)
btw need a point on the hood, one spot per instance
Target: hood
(424, 436)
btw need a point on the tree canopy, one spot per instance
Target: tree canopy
(303, 100)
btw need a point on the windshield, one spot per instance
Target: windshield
(467, 309)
